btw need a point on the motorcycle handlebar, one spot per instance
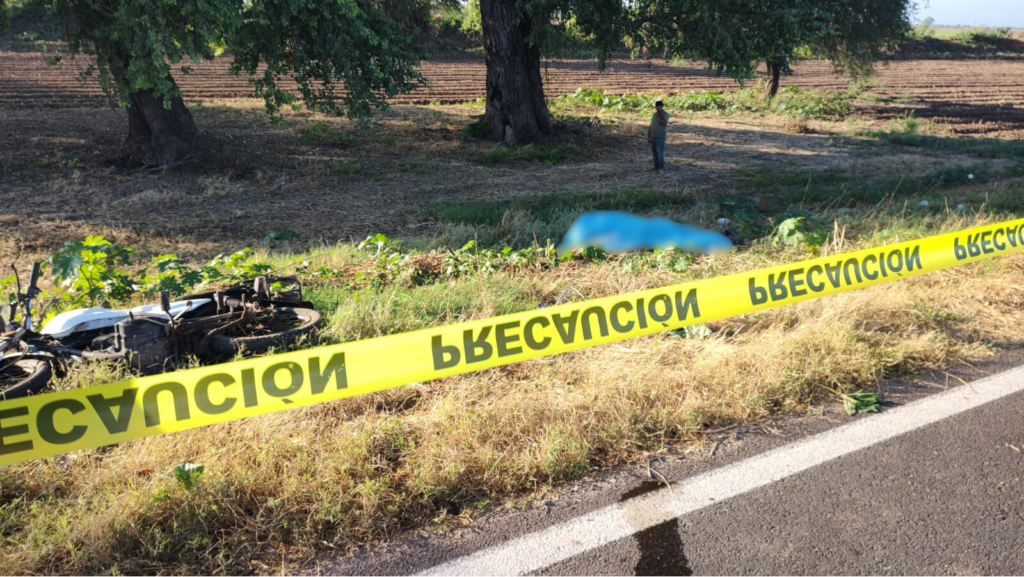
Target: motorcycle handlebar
(33, 278)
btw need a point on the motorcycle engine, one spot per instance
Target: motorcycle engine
(147, 342)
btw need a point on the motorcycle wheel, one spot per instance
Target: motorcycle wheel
(270, 328)
(22, 376)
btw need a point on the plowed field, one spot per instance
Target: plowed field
(977, 97)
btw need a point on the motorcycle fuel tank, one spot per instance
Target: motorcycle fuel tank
(94, 318)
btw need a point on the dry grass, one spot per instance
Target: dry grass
(281, 488)
(798, 126)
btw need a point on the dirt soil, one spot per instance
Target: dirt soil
(59, 179)
(977, 96)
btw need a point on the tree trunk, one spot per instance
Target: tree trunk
(771, 80)
(516, 109)
(157, 135)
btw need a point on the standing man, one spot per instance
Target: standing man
(656, 133)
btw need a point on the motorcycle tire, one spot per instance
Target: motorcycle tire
(273, 328)
(23, 376)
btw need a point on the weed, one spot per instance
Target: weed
(497, 154)
(795, 231)
(551, 154)
(861, 402)
(324, 134)
(906, 124)
(88, 272)
(188, 474)
(475, 130)
(274, 237)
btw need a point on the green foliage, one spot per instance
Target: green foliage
(188, 474)
(575, 28)
(89, 269)
(274, 237)
(471, 16)
(138, 44)
(923, 30)
(828, 187)
(547, 154)
(984, 146)
(390, 264)
(323, 133)
(982, 35)
(549, 207)
(475, 130)
(861, 402)
(340, 42)
(906, 124)
(791, 100)
(497, 154)
(734, 36)
(745, 217)
(88, 272)
(5, 15)
(796, 231)
(691, 101)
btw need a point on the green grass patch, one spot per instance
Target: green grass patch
(980, 146)
(791, 100)
(546, 154)
(816, 188)
(525, 222)
(475, 131)
(324, 134)
(550, 207)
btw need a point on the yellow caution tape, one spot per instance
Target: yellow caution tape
(57, 423)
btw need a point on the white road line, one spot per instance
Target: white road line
(581, 534)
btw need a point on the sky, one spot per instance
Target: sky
(973, 12)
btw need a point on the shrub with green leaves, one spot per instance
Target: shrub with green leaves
(89, 273)
(791, 101)
(187, 474)
(797, 231)
(88, 269)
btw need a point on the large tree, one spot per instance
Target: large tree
(326, 46)
(732, 36)
(514, 34)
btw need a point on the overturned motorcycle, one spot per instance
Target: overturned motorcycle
(245, 318)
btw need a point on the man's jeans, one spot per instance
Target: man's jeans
(658, 149)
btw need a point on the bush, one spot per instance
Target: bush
(88, 273)
(982, 35)
(905, 124)
(790, 100)
(471, 17)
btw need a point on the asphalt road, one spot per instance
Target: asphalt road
(932, 485)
